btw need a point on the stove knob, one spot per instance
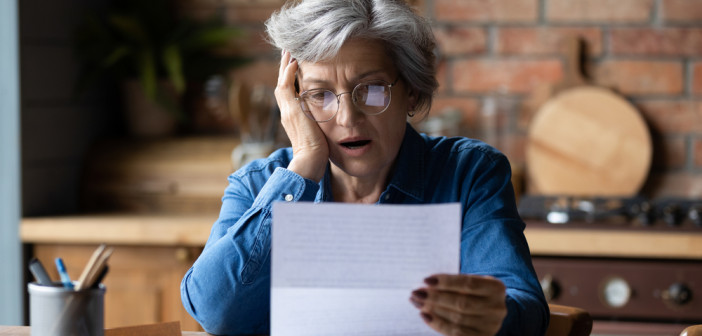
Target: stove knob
(672, 215)
(616, 292)
(550, 287)
(678, 294)
(642, 213)
(695, 215)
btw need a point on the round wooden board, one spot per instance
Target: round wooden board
(588, 141)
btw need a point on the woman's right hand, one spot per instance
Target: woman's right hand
(310, 148)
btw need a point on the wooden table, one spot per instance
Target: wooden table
(25, 331)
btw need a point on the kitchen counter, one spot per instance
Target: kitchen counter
(623, 243)
(119, 229)
(193, 230)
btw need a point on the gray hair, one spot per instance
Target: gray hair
(315, 30)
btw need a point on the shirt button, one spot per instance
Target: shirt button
(387, 197)
(289, 197)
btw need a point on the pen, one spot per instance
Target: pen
(103, 273)
(39, 272)
(65, 279)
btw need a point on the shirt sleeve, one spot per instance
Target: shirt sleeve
(493, 243)
(227, 289)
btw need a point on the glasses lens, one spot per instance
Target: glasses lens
(372, 98)
(321, 105)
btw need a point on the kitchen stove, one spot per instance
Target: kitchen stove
(636, 212)
(625, 296)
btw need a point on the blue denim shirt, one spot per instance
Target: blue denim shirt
(228, 288)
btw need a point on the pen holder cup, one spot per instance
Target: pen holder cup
(60, 311)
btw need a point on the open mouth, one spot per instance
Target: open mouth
(355, 144)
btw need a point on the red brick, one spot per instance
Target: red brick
(681, 10)
(671, 117)
(442, 77)
(518, 76)
(546, 40)
(606, 11)
(697, 152)
(678, 184)
(669, 152)
(657, 41)
(461, 40)
(495, 11)
(697, 78)
(641, 77)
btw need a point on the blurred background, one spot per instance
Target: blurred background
(76, 73)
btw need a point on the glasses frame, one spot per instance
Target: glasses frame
(338, 99)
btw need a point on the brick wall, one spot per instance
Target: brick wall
(649, 51)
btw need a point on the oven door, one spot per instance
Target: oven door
(626, 296)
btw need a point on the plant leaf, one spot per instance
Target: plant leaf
(115, 56)
(130, 28)
(147, 72)
(173, 62)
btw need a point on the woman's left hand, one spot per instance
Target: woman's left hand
(462, 304)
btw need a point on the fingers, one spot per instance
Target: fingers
(447, 327)
(310, 148)
(462, 292)
(285, 89)
(465, 303)
(448, 320)
(480, 285)
(462, 304)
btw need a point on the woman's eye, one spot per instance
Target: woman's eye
(317, 95)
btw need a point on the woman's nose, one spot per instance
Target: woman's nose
(348, 115)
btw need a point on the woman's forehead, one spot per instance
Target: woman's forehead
(356, 59)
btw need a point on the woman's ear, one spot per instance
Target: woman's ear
(412, 98)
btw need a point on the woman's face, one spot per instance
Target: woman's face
(360, 145)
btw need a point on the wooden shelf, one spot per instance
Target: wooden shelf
(119, 229)
(614, 243)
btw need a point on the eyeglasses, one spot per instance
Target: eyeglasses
(371, 98)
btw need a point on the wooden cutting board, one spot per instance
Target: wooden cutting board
(587, 141)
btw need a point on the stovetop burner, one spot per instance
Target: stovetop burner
(640, 212)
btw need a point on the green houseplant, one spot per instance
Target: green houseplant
(147, 45)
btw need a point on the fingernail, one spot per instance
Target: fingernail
(426, 317)
(420, 294)
(431, 281)
(292, 59)
(417, 303)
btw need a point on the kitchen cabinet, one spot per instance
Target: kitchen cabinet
(152, 253)
(154, 201)
(631, 279)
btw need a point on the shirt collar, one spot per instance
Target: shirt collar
(407, 175)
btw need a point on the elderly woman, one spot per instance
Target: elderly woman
(351, 74)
